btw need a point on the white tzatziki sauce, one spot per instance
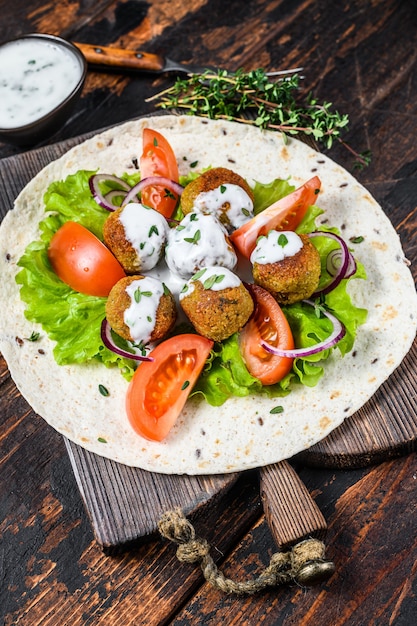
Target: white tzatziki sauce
(199, 240)
(240, 204)
(145, 295)
(35, 77)
(215, 278)
(276, 246)
(147, 232)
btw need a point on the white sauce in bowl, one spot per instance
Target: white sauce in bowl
(35, 77)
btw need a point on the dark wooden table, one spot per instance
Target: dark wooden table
(362, 57)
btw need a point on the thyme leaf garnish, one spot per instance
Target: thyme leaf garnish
(141, 346)
(103, 390)
(138, 294)
(214, 279)
(199, 274)
(195, 239)
(253, 98)
(282, 240)
(319, 306)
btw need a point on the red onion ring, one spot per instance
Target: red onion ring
(106, 201)
(108, 341)
(114, 193)
(343, 268)
(160, 181)
(336, 335)
(333, 263)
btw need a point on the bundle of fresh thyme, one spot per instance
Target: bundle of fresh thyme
(253, 98)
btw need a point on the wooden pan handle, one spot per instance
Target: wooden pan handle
(293, 516)
(120, 58)
(291, 512)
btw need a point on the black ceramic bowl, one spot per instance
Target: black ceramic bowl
(48, 122)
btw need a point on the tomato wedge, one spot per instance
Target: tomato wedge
(268, 323)
(284, 214)
(159, 389)
(82, 261)
(158, 159)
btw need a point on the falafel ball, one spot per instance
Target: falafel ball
(198, 240)
(137, 236)
(287, 265)
(222, 193)
(216, 303)
(140, 309)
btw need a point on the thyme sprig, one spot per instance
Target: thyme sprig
(253, 98)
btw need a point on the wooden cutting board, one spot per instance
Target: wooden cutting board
(124, 504)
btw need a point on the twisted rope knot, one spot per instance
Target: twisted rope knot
(175, 527)
(193, 551)
(305, 551)
(283, 566)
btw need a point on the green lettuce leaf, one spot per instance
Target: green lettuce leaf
(219, 381)
(73, 320)
(267, 194)
(226, 374)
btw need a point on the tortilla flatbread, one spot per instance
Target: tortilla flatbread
(242, 433)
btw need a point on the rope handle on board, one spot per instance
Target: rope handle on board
(304, 563)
